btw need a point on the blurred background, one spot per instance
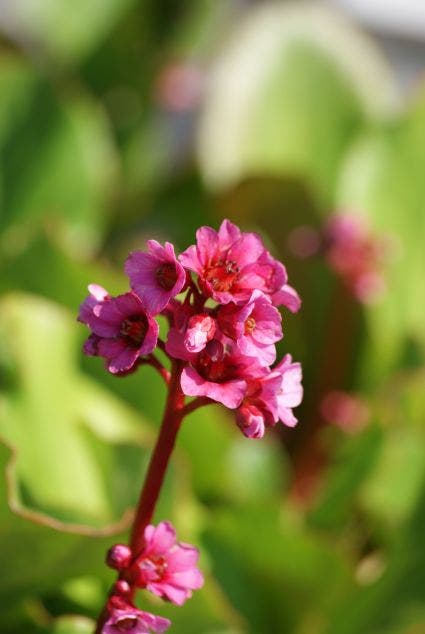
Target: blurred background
(122, 120)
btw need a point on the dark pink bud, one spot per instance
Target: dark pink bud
(118, 557)
(121, 587)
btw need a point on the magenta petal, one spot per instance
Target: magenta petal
(90, 346)
(191, 579)
(250, 421)
(110, 348)
(229, 393)
(228, 233)
(292, 391)
(175, 594)
(175, 346)
(129, 304)
(287, 296)
(287, 417)
(161, 538)
(98, 292)
(190, 260)
(109, 312)
(104, 328)
(182, 558)
(124, 361)
(207, 244)
(264, 354)
(151, 337)
(246, 250)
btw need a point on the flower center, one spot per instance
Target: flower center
(250, 325)
(154, 567)
(134, 329)
(126, 624)
(218, 370)
(223, 275)
(166, 276)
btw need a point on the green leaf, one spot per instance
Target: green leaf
(58, 167)
(65, 31)
(73, 625)
(287, 95)
(382, 177)
(62, 425)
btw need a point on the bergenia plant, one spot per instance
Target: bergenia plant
(221, 299)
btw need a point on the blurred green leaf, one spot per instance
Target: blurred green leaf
(58, 168)
(56, 420)
(352, 464)
(65, 31)
(383, 178)
(73, 625)
(287, 96)
(257, 552)
(395, 485)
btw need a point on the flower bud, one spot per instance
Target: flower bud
(122, 587)
(118, 557)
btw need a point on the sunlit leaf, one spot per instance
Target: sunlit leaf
(64, 30)
(287, 95)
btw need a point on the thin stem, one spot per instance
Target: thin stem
(161, 345)
(156, 363)
(198, 402)
(171, 421)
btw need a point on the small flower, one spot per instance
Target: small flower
(122, 329)
(290, 392)
(270, 396)
(167, 567)
(156, 276)
(134, 621)
(259, 407)
(255, 326)
(218, 373)
(231, 264)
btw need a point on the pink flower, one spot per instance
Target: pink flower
(356, 256)
(290, 392)
(255, 326)
(134, 621)
(167, 567)
(190, 331)
(231, 264)
(156, 276)
(217, 373)
(273, 281)
(259, 408)
(270, 396)
(122, 330)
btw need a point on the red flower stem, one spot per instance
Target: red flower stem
(198, 402)
(173, 416)
(156, 363)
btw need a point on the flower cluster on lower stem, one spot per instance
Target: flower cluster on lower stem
(165, 567)
(221, 298)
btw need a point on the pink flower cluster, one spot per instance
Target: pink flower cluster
(223, 332)
(165, 567)
(356, 255)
